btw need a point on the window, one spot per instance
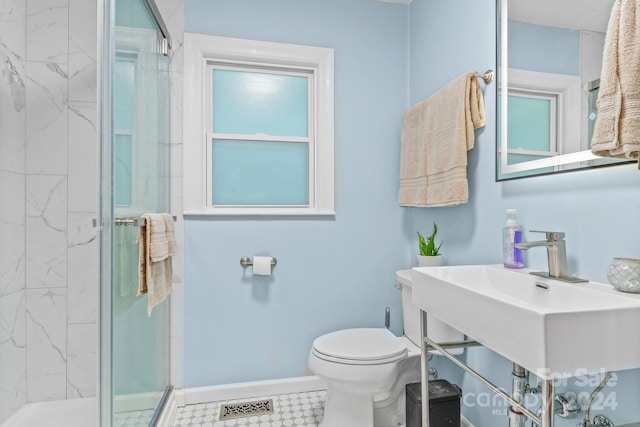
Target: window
(543, 121)
(259, 140)
(124, 127)
(532, 129)
(258, 128)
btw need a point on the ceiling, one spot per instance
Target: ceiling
(573, 14)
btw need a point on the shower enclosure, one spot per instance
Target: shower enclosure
(76, 155)
(135, 180)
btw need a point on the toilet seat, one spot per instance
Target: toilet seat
(362, 346)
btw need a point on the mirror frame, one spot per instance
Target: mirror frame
(502, 169)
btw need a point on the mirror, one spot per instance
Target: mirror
(550, 58)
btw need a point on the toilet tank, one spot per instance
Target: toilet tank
(410, 312)
(436, 330)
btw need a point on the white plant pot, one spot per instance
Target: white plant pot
(429, 261)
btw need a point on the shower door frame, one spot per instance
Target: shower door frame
(105, 221)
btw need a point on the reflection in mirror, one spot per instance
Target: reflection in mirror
(549, 68)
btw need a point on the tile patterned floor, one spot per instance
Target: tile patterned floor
(297, 409)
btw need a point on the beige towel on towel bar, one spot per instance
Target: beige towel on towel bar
(436, 135)
(617, 128)
(156, 246)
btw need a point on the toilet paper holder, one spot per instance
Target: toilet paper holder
(245, 261)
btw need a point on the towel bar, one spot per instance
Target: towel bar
(136, 222)
(245, 261)
(487, 76)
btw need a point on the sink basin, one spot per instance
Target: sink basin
(552, 328)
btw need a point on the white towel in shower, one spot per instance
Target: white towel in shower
(156, 246)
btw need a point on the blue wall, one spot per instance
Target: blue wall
(332, 273)
(339, 272)
(544, 49)
(598, 209)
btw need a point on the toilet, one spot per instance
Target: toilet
(366, 369)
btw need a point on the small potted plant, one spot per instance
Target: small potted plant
(429, 253)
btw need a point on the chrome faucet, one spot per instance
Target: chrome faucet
(556, 256)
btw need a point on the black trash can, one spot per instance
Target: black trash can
(444, 404)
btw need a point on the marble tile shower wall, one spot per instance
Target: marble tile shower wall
(48, 197)
(12, 208)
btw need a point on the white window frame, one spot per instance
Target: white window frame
(568, 133)
(200, 50)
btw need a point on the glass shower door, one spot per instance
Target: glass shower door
(140, 343)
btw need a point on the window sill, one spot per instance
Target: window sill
(257, 212)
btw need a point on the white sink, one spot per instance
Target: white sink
(566, 330)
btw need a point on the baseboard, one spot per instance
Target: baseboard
(190, 396)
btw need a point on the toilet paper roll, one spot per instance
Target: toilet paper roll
(262, 266)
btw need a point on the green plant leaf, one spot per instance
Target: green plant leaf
(437, 251)
(428, 246)
(422, 245)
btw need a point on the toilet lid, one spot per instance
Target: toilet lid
(364, 345)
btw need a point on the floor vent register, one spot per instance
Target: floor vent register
(246, 409)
